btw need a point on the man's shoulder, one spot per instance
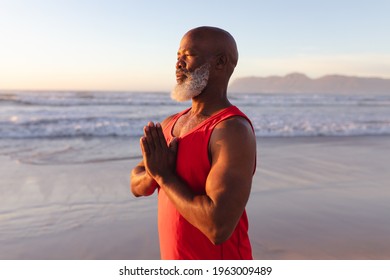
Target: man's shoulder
(234, 133)
(233, 142)
(235, 124)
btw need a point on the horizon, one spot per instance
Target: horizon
(168, 91)
(131, 46)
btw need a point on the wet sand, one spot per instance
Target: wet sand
(312, 198)
(322, 198)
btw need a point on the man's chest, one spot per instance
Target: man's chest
(186, 124)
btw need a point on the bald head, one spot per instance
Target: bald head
(216, 41)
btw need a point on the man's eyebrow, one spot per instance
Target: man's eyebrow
(186, 51)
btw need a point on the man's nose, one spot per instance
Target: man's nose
(180, 64)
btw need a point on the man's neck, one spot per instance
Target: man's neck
(208, 103)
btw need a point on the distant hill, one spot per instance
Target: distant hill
(300, 83)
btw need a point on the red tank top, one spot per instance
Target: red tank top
(178, 238)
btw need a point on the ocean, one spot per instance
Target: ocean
(71, 122)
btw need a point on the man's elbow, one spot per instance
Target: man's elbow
(219, 235)
(138, 190)
(133, 189)
(134, 193)
(218, 240)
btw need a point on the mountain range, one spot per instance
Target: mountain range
(300, 83)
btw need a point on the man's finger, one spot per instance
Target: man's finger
(149, 138)
(155, 136)
(173, 145)
(160, 136)
(144, 146)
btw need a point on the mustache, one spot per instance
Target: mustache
(183, 72)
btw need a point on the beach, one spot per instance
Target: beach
(312, 198)
(322, 198)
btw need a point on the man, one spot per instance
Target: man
(201, 160)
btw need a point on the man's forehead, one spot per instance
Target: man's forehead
(191, 44)
(188, 46)
(185, 49)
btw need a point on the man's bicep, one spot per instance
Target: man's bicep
(228, 185)
(233, 152)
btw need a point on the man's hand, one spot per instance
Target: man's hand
(159, 158)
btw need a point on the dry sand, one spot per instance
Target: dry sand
(312, 198)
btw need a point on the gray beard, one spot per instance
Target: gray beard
(192, 86)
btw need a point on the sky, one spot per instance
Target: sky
(132, 45)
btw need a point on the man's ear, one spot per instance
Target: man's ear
(221, 61)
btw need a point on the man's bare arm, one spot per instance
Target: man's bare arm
(141, 184)
(233, 152)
